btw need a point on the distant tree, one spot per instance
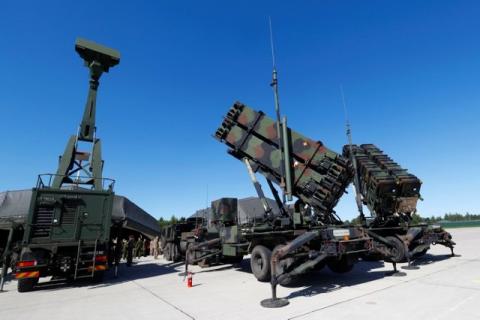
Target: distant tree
(354, 221)
(416, 219)
(162, 222)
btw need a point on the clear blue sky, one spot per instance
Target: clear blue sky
(410, 71)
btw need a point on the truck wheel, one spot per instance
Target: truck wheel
(26, 285)
(167, 252)
(397, 251)
(260, 263)
(342, 265)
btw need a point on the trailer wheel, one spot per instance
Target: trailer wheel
(342, 265)
(26, 285)
(398, 250)
(260, 263)
(166, 252)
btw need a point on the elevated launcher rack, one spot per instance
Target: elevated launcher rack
(386, 188)
(313, 173)
(303, 168)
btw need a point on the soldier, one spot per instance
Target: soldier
(155, 247)
(124, 249)
(130, 246)
(151, 247)
(117, 254)
(146, 245)
(139, 247)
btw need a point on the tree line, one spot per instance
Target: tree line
(451, 217)
(416, 218)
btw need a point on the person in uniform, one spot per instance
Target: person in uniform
(155, 246)
(130, 247)
(138, 247)
(124, 249)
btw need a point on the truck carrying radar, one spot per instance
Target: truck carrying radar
(68, 227)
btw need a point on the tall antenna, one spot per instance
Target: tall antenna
(356, 183)
(274, 85)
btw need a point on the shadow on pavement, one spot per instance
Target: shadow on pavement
(137, 271)
(324, 281)
(429, 259)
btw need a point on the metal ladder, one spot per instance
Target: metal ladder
(85, 260)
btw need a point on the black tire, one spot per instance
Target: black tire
(398, 250)
(26, 285)
(260, 263)
(342, 265)
(167, 252)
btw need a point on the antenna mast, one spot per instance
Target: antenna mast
(285, 185)
(356, 182)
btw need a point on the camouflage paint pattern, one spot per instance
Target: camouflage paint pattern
(225, 210)
(319, 175)
(386, 187)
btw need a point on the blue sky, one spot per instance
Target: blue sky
(410, 71)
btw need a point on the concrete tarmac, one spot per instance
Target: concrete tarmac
(443, 287)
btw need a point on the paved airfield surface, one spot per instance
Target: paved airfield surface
(443, 288)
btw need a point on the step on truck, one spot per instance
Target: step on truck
(68, 225)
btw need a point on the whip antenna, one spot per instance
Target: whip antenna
(356, 183)
(285, 182)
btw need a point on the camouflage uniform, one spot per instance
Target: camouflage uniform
(156, 247)
(130, 246)
(139, 247)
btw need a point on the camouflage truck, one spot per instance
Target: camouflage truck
(297, 240)
(391, 194)
(176, 238)
(66, 235)
(68, 225)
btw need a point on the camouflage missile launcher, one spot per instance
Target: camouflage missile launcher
(311, 236)
(386, 187)
(391, 194)
(319, 175)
